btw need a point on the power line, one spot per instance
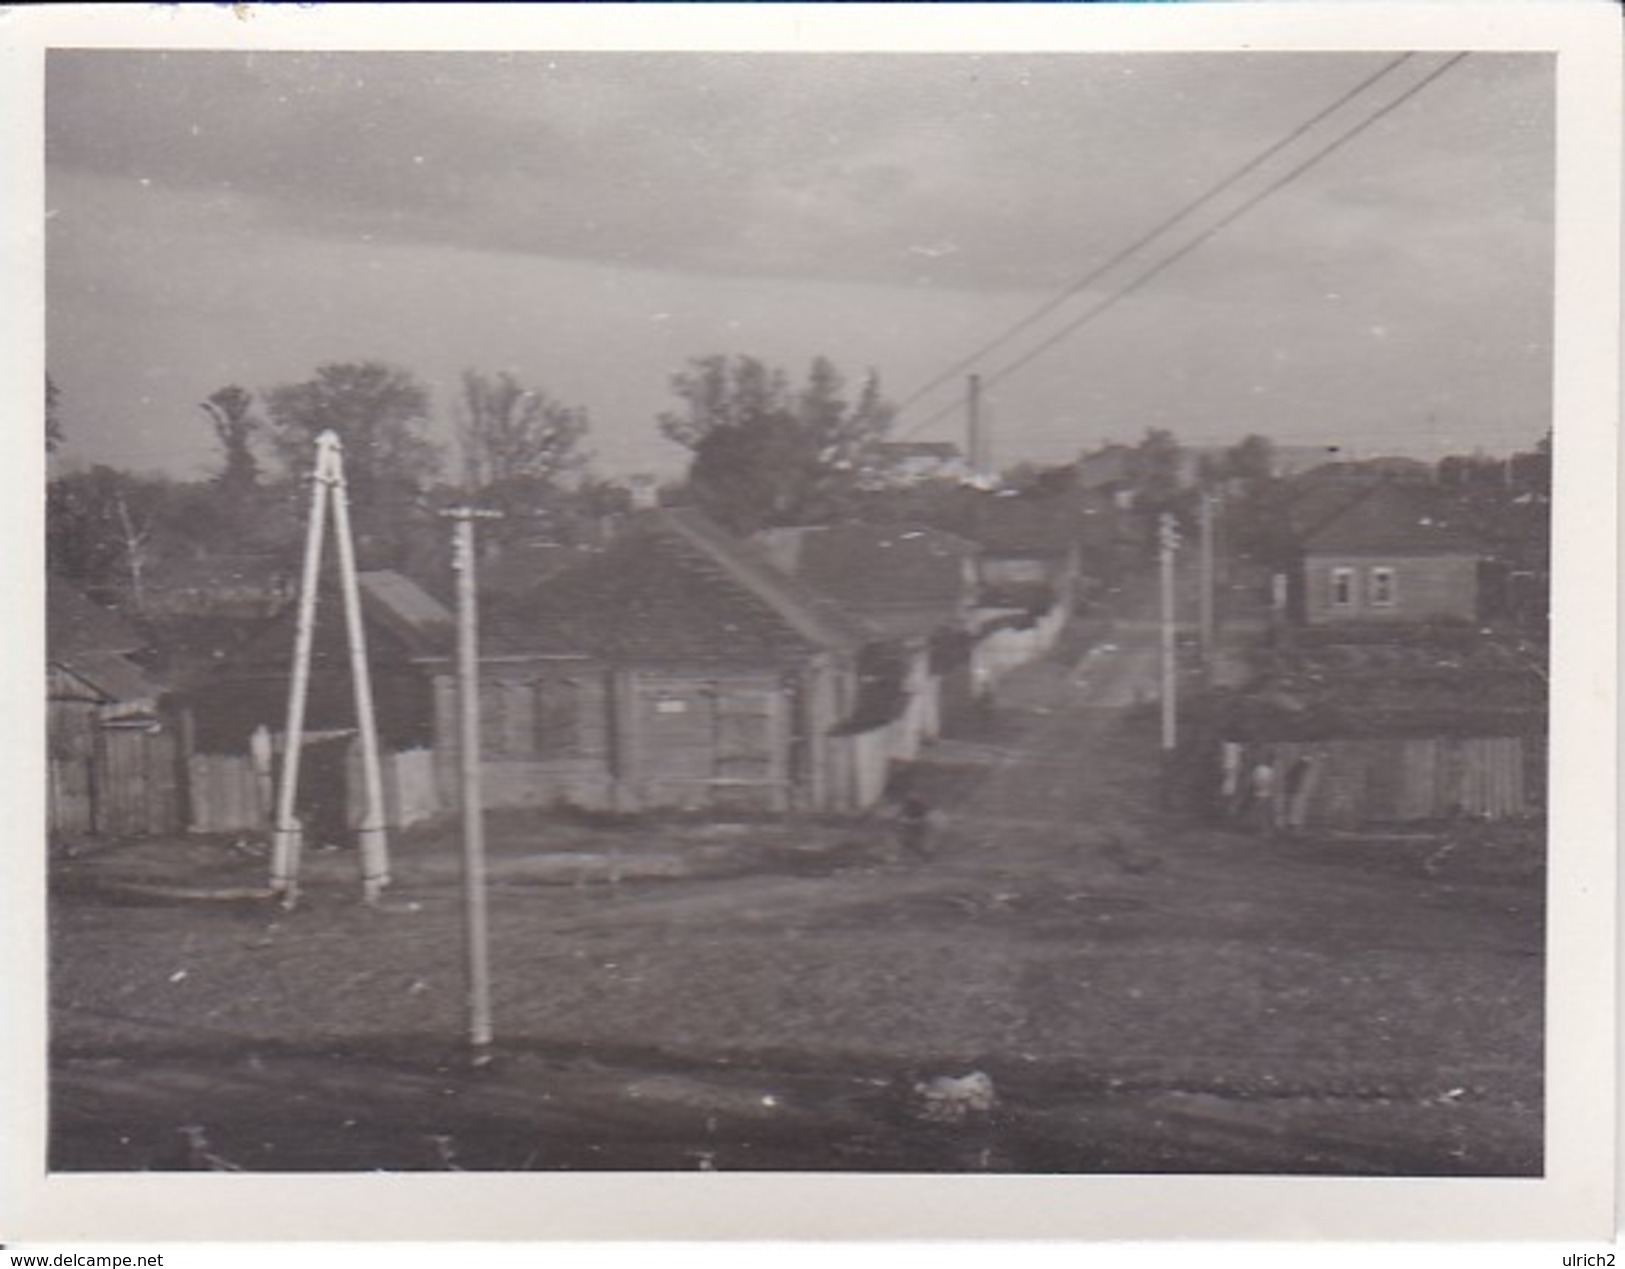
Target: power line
(1095, 274)
(1111, 301)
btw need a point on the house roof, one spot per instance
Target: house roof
(1394, 518)
(525, 564)
(75, 624)
(673, 588)
(817, 617)
(876, 564)
(392, 604)
(111, 674)
(413, 615)
(1024, 526)
(1109, 465)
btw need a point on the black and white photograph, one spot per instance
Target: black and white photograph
(844, 609)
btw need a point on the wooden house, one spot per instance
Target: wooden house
(678, 669)
(1392, 554)
(112, 760)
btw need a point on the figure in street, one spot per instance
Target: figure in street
(914, 826)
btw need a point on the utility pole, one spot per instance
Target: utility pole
(1168, 542)
(973, 425)
(287, 834)
(287, 838)
(370, 838)
(1207, 581)
(468, 699)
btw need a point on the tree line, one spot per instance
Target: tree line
(762, 452)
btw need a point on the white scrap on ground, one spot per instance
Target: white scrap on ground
(952, 1098)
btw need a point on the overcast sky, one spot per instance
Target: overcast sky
(590, 221)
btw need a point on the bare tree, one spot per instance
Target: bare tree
(134, 537)
(509, 432)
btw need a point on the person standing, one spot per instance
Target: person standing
(1261, 793)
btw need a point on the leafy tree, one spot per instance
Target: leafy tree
(1250, 461)
(380, 413)
(53, 420)
(766, 455)
(231, 410)
(511, 432)
(1532, 472)
(1154, 471)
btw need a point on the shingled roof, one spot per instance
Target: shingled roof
(1398, 519)
(674, 588)
(876, 564)
(90, 641)
(420, 621)
(75, 624)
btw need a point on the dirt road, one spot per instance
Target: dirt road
(1140, 992)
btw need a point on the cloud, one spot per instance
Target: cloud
(592, 220)
(1011, 170)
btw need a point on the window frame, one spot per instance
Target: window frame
(1382, 586)
(1344, 589)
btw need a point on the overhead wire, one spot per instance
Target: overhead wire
(1129, 288)
(1152, 234)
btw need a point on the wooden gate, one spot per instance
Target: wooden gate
(116, 781)
(709, 744)
(137, 787)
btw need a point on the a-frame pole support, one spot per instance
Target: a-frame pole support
(287, 837)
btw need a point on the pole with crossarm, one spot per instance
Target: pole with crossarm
(468, 700)
(1167, 544)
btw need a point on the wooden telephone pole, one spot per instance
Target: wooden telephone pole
(1168, 543)
(1208, 583)
(287, 834)
(468, 700)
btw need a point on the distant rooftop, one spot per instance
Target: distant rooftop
(946, 450)
(1399, 518)
(674, 588)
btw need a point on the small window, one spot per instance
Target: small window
(1342, 588)
(1382, 588)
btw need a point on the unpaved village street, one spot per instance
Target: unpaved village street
(1142, 992)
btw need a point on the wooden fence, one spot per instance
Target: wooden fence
(1344, 783)
(227, 796)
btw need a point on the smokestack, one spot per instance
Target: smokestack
(974, 444)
